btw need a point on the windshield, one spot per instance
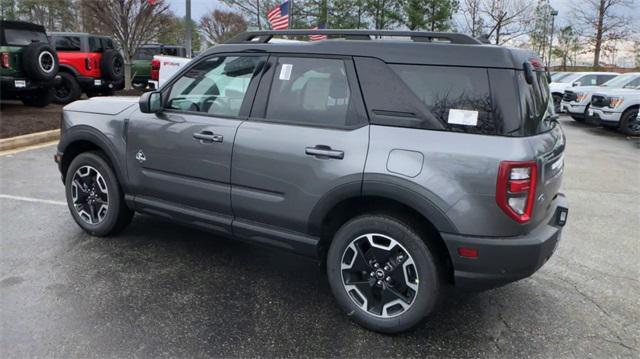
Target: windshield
(569, 78)
(626, 81)
(557, 76)
(16, 37)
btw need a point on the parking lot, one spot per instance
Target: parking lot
(161, 290)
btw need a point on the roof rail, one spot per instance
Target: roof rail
(417, 36)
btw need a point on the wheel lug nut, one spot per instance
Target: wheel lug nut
(376, 265)
(372, 274)
(388, 279)
(379, 283)
(386, 268)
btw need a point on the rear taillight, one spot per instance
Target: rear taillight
(5, 60)
(155, 70)
(87, 63)
(516, 189)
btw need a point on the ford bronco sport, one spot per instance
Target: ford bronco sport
(89, 64)
(404, 165)
(29, 65)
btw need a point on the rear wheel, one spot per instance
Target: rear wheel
(382, 274)
(94, 196)
(68, 90)
(557, 99)
(629, 122)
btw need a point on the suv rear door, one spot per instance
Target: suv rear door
(179, 161)
(307, 136)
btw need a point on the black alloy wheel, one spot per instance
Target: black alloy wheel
(379, 275)
(90, 195)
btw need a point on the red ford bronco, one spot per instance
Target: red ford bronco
(88, 64)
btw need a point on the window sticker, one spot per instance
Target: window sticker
(463, 117)
(285, 72)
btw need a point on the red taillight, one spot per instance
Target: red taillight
(155, 69)
(87, 63)
(468, 252)
(516, 189)
(5, 60)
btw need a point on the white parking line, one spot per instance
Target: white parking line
(29, 199)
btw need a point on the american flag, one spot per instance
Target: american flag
(318, 37)
(279, 16)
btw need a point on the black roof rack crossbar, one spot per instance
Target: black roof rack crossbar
(418, 36)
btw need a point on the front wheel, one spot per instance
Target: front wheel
(629, 122)
(382, 273)
(94, 196)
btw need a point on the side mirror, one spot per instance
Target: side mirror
(151, 102)
(577, 83)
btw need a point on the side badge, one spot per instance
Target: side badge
(140, 156)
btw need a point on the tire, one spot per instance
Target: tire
(40, 61)
(112, 65)
(68, 90)
(557, 99)
(39, 98)
(417, 268)
(105, 188)
(629, 123)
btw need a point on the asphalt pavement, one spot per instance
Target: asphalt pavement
(162, 290)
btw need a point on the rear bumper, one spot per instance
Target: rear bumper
(15, 84)
(94, 84)
(504, 260)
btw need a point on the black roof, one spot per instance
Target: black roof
(22, 25)
(425, 48)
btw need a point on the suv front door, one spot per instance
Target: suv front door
(307, 136)
(179, 161)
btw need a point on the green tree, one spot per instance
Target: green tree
(384, 14)
(567, 41)
(54, 15)
(173, 31)
(8, 9)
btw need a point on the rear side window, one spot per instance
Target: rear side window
(67, 43)
(145, 53)
(443, 90)
(311, 91)
(535, 103)
(17, 37)
(95, 45)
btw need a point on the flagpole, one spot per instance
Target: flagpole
(290, 14)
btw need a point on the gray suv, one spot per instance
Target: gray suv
(406, 166)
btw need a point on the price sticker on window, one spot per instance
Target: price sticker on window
(285, 72)
(463, 117)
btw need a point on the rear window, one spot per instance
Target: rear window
(534, 103)
(67, 43)
(145, 53)
(17, 37)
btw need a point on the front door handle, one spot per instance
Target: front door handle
(207, 137)
(321, 151)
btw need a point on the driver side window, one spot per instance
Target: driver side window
(215, 86)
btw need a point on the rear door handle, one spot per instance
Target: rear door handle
(207, 137)
(321, 151)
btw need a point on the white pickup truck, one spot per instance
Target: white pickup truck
(558, 87)
(617, 108)
(163, 67)
(576, 100)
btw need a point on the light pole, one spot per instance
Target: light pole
(553, 13)
(187, 27)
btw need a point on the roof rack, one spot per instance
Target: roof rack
(417, 36)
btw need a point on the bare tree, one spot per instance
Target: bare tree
(219, 26)
(507, 19)
(604, 21)
(471, 14)
(255, 10)
(132, 23)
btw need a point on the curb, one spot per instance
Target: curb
(31, 139)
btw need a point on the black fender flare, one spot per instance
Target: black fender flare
(70, 69)
(387, 187)
(94, 136)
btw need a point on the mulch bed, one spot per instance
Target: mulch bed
(17, 119)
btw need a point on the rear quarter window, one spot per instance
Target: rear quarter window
(67, 43)
(18, 37)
